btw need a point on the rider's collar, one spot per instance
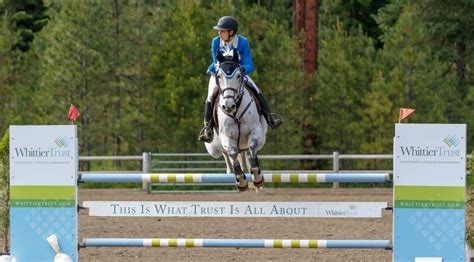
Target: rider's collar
(234, 42)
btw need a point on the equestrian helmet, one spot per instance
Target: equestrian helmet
(227, 23)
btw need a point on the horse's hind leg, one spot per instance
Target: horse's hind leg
(257, 177)
(240, 181)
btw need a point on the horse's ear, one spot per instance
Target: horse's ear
(235, 56)
(219, 57)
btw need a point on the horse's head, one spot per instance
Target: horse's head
(229, 81)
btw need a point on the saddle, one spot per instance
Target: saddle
(215, 102)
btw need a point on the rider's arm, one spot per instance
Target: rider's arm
(246, 56)
(214, 48)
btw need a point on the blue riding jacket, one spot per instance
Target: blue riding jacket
(243, 48)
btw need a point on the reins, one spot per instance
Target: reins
(238, 100)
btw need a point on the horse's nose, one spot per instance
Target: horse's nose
(228, 106)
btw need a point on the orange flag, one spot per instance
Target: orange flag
(73, 113)
(404, 112)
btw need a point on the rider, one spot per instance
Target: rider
(227, 40)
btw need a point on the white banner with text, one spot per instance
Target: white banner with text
(234, 209)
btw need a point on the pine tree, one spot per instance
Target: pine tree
(8, 74)
(137, 124)
(27, 18)
(345, 72)
(278, 73)
(354, 15)
(96, 56)
(414, 77)
(450, 35)
(179, 62)
(75, 68)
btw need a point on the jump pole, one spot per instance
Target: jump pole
(230, 178)
(233, 243)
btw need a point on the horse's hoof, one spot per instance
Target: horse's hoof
(257, 183)
(241, 183)
(242, 188)
(257, 177)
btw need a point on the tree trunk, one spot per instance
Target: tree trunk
(83, 98)
(142, 89)
(306, 20)
(117, 103)
(298, 17)
(461, 67)
(311, 36)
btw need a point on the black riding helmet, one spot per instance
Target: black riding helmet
(227, 23)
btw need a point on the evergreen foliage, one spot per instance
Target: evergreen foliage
(450, 36)
(4, 191)
(354, 15)
(27, 18)
(346, 65)
(137, 70)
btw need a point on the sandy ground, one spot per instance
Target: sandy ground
(261, 228)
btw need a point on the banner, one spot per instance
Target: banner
(234, 209)
(43, 167)
(429, 189)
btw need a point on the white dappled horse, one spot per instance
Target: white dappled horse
(239, 127)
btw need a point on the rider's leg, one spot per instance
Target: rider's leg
(206, 133)
(273, 120)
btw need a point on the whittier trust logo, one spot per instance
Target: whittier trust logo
(452, 141)
(61, 142)
(59, 150)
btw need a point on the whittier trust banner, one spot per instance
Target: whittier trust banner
(43, 202)
(429, 191)
(234, 209)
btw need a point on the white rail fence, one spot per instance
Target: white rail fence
(200, 162)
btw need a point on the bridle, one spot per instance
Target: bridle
(237, 96)
(237, 91)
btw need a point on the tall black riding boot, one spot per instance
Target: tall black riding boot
(273, 120)
(206, 133)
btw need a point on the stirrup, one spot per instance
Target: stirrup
(206, 135)
(275, 120)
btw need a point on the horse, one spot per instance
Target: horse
(240, 127)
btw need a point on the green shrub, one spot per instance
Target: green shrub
(470, 202)
(4, 191)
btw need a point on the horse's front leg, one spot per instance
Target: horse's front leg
(228, 163)
(254, 145)
(230, 147)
